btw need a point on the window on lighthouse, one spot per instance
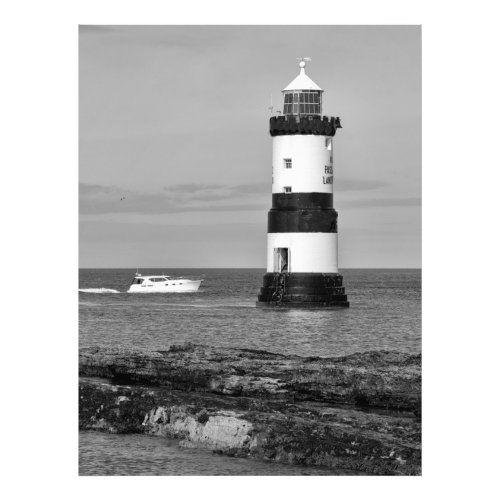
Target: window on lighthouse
(288, 162)
(287, 189)
(302, 102)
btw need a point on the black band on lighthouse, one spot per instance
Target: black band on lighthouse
(303, 290)
(302, 221)
(293, 201)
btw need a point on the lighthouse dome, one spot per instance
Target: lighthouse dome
(302, 81)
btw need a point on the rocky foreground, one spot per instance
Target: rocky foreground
(358, 413)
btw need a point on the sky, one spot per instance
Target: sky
(175, 152)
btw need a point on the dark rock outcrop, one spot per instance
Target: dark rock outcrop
(382, 379)
(358, 412)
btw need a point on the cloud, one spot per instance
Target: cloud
(194, 38)
(257, 187)
(191, 187)
(342, 184)
(96, 189)
(212, 192)
(97, 199)
(381, 202)
(89, 29)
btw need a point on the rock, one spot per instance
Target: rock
(302, 434)
(382, 379)
(355, 413)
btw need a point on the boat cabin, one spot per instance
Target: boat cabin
(154, 279)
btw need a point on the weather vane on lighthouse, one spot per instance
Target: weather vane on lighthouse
(302, 268)
(303, 61)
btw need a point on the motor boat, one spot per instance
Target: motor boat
(163, 284)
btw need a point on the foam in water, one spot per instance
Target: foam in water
(97, 290)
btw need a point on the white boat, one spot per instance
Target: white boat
(163, 284)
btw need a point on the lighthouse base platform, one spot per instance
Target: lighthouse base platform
(309, 290)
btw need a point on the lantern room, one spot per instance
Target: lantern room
(302, 102)
(302, 96)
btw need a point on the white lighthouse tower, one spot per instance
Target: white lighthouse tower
(302, 264)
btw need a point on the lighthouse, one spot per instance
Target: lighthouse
(302, 261)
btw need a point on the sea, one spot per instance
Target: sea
(384, 313)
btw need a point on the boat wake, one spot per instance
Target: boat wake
(98, 290)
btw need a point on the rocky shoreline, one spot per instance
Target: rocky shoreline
(358, 413)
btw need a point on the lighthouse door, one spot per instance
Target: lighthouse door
(281, 260)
